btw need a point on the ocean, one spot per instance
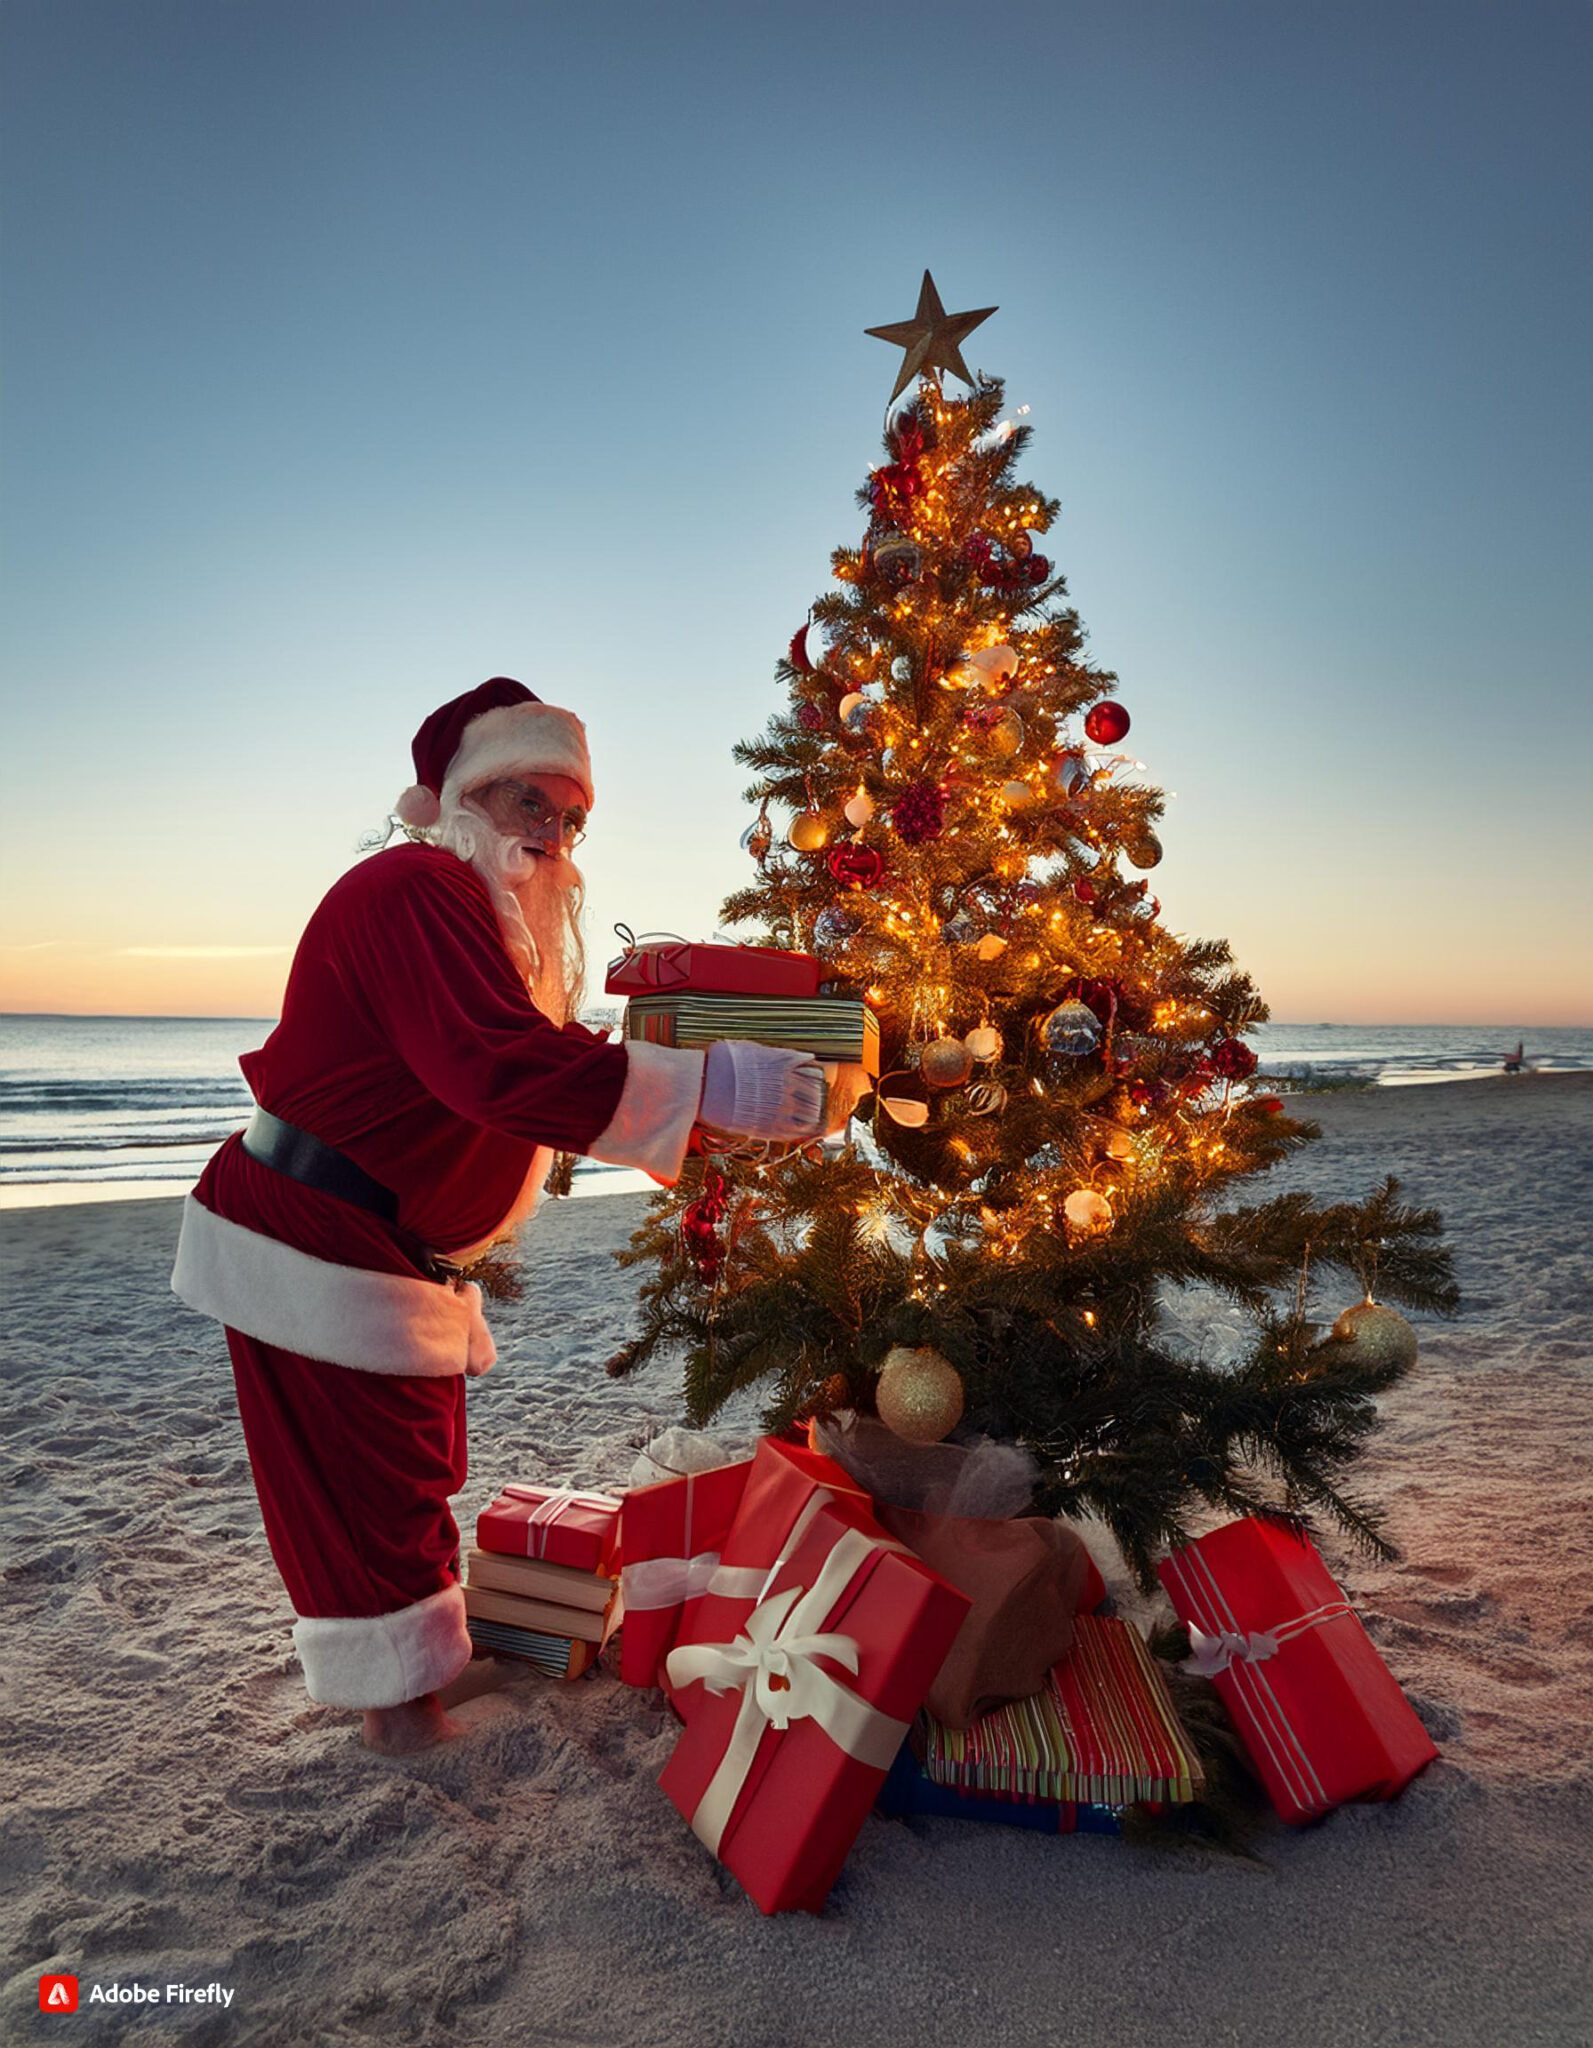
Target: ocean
(106, 1108)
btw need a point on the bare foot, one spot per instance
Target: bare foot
(484, 1674)
(417, 1724)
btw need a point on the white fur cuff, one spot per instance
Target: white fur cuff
(656, 1111)
(343, 1315)
(381, 1660)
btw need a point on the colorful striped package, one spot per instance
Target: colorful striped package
(1103, 1732)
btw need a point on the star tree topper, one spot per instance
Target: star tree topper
(933, 338)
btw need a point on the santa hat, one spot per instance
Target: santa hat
(500, 728)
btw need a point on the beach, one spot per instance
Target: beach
(181, 1815)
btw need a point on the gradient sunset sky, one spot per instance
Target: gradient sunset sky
(355, 351)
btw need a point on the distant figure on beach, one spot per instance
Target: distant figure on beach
(426, 1067)
(1513, 1061)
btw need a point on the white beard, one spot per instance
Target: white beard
(538, 898)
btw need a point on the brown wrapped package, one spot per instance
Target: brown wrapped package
(1026, 1577)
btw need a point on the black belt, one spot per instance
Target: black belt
(307, 1159)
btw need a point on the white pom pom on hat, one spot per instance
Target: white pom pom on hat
(499, 728)
(418, 807)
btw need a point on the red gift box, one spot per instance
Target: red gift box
(1321, 1714)
(664, 964)
(794, 1719)
(560, 1524)
(671, 1536)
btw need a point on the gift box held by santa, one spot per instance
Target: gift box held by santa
(427, 1066)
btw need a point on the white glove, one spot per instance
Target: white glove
(762, 1091)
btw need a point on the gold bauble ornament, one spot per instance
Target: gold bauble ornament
(1088, 1212)
(919, 1395)
(1118, 1145)
(807, 832)
(945, 1063)
(859, 809)
(991, 946)
(1144, 850)
(1016, 794)
(1006, 735)
(984, 1042)
(1378, 1337)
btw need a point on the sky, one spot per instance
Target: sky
(358, 350)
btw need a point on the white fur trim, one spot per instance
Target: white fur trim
(518, 739)
(656, 1111)
(418, 806)
(381, 1660)
(373, 1322)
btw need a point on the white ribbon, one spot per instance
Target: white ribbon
(668, 1581)
(548, 1511)
(1219, 1652)
(772, 1663)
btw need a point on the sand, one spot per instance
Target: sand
(182, 1816)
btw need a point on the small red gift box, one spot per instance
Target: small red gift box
(671, 1536)
(663, 964)
(793, 1720)
(558, 1524)
(1321, 1715)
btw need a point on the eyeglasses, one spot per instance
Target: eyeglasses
(537, 818)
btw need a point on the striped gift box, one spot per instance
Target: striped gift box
(1102, 1733)
(829, 1027)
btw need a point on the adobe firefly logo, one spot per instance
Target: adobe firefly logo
(58, 1994)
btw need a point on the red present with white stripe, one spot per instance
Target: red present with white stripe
(1321, 1714)
(559, 1524)
(671, 1534)
(794, 1717)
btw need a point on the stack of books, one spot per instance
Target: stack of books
(553, 1615)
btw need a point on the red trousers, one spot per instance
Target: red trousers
(354, 1471)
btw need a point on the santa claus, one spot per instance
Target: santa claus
(426, 1067)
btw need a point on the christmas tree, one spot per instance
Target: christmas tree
(1065, 1108)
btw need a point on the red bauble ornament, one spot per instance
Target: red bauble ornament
(1270, 1105)
(1106, 723)
(811, 718)
(1085, 889)
(797, 653)
(1020, 546)
(854, 866)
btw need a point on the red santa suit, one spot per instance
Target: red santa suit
(408, 1042)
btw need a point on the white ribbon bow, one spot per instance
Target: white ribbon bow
(772, 1663)
(1214, 1653)
(548, 1511)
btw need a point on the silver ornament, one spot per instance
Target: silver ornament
(1072, 1030)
